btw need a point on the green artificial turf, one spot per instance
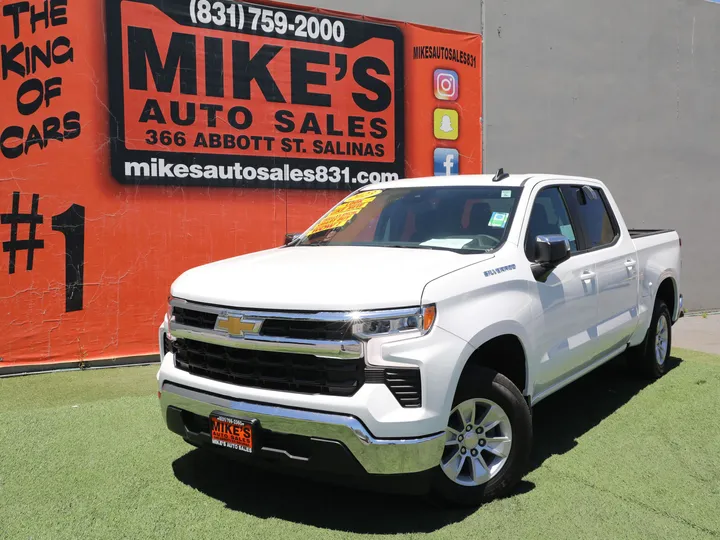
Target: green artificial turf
(86, 455)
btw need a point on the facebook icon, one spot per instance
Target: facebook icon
(447, 161)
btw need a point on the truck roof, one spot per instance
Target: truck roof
(512, 180)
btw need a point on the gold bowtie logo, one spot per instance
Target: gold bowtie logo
(236, 326)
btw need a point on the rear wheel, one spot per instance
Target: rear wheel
(649, 359)
(487, 440)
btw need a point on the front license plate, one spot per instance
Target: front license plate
(231, 433)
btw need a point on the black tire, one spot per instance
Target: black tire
(478, 382)
(642, 358)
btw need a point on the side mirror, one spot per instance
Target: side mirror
(551, 249)
(291, 237)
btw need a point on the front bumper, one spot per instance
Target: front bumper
(440, 356)
(375, 456)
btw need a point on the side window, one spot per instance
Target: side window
(549, 216)
(594, 216)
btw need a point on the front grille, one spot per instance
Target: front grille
(196, 319)
(285, 328)
(316, 330)
(301, 373)
(404, 383)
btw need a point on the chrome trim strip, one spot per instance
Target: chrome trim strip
(323, 316)
(285, 453)
(377, 456)
(256, 342)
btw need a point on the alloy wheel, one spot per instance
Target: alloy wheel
(662, 334)
(478, 439)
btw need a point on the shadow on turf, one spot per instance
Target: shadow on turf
(560, 419)
(271, 495)
(557, 422)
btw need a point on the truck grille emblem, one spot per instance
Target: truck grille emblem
(236, 325)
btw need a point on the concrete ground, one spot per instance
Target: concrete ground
(698, 333)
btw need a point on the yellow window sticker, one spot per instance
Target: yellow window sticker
(363, 195)
(344, 212)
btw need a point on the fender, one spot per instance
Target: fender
(495, 330)
(647, 305)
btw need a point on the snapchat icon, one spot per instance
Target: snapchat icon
(446, 124)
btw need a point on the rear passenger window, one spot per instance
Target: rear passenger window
(594, 216)
(548, 216)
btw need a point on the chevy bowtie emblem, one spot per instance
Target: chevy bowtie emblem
(237, 326)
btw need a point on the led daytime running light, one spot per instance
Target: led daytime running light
(379, 324)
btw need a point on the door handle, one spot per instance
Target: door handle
(630, 265)
(587, 275)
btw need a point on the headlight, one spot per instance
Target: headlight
(386, 323)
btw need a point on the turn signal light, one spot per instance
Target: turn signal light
(429, 313)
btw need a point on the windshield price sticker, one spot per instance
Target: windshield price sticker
(363, 195)
(345, 212)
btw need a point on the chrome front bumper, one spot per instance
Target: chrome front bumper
(377, 456)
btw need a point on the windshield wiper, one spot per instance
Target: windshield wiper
(402, 246)
(439, 248)
(320, 243)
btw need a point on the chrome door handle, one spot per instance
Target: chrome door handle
(630, 265)
(587, 275)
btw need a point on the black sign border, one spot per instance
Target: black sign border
(119, 154)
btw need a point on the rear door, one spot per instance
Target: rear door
(615, 259)
(566, 312)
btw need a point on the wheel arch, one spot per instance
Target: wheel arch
(668, 292)
(503, 348)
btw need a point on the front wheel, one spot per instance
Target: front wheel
(487, 440)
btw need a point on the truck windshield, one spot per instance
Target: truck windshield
(458, 218)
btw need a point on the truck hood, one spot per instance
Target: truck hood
(321, 278)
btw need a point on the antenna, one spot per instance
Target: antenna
(500, 175)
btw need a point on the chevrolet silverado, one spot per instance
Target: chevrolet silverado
(412, 328)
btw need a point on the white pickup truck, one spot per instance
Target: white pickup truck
(410, 331)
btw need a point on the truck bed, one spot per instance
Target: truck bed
(639, 233)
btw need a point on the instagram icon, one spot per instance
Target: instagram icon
(446, 84)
